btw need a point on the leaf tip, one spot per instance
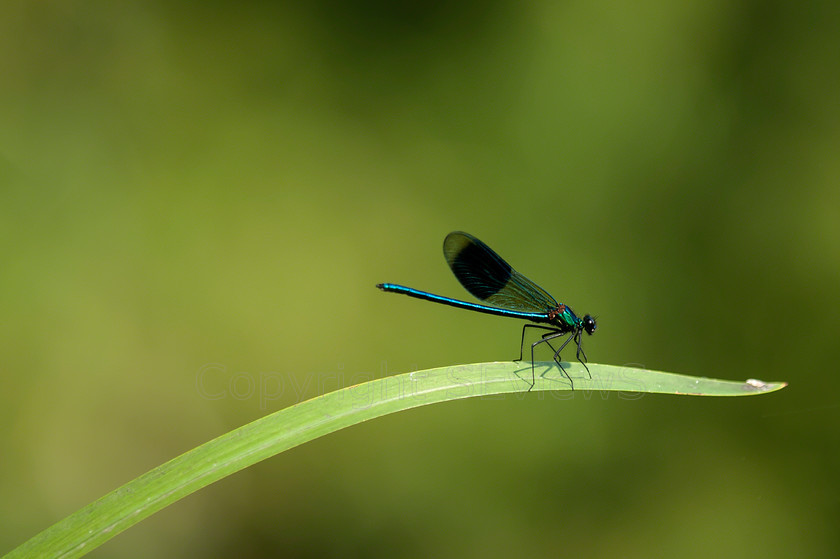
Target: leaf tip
(761, 386)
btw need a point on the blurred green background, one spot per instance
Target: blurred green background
(198, 198)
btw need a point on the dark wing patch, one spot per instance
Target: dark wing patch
(489, 278)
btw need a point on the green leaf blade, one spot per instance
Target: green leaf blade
(96, 523)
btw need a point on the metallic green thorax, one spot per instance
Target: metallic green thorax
(564, 319)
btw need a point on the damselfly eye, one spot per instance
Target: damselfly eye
(589, 324)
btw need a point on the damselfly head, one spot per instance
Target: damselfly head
(589, 324)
